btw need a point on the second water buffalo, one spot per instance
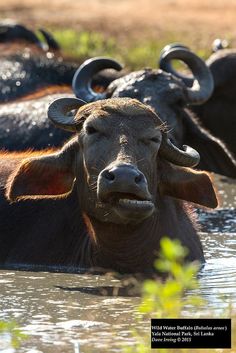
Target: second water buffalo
(170, 97)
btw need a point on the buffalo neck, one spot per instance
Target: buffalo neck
(124, 248)
(133, 248)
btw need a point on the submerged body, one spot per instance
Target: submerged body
(24, 124)
(35, 81)
(26, 71)
(58, 233)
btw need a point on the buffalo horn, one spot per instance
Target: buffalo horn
(52, 44)
(188, 157)
(167, 66)
(81, 83)
(202, 84)
(58, 113)
(9, 30)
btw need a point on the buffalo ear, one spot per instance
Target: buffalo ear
(44, 176)
(189, 185)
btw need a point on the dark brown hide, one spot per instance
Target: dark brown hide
(167, 95)
(24, 124)
(218, 114)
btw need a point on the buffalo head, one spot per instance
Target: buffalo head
(166, 92)
(122, 163)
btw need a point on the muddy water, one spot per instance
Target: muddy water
(218, 277)
(89, 313)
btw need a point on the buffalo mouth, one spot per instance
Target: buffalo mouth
(130, 206)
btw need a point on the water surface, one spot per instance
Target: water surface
(60, 310)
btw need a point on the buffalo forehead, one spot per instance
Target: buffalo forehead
(121, 105)
(118, 122)
(144, 82)
(125, 109)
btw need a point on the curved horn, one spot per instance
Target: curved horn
(9, 30)
(81, 83)
(58, 113)
(51, 42)
(202, 84)
(188, 157)
(165, 65)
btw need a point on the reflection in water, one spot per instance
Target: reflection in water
(80, 313)
(218, 277)
(55, 318)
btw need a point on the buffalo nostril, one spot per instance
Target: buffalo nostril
(108, 175)
(138, 179)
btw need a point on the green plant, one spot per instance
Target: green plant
(165, 298)
(84, 44)
(12, 330)
(134, 54)
(173, 296)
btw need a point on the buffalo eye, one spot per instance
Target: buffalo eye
(90, 130)
(148, 141)
(155, 139)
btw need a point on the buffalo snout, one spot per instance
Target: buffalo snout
(125, 188)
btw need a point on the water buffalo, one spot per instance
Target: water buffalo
(24, 123)
(169, 96)
(218, 113)
(29, 70)
(13, 32)
(107, 196)
(28, 65)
